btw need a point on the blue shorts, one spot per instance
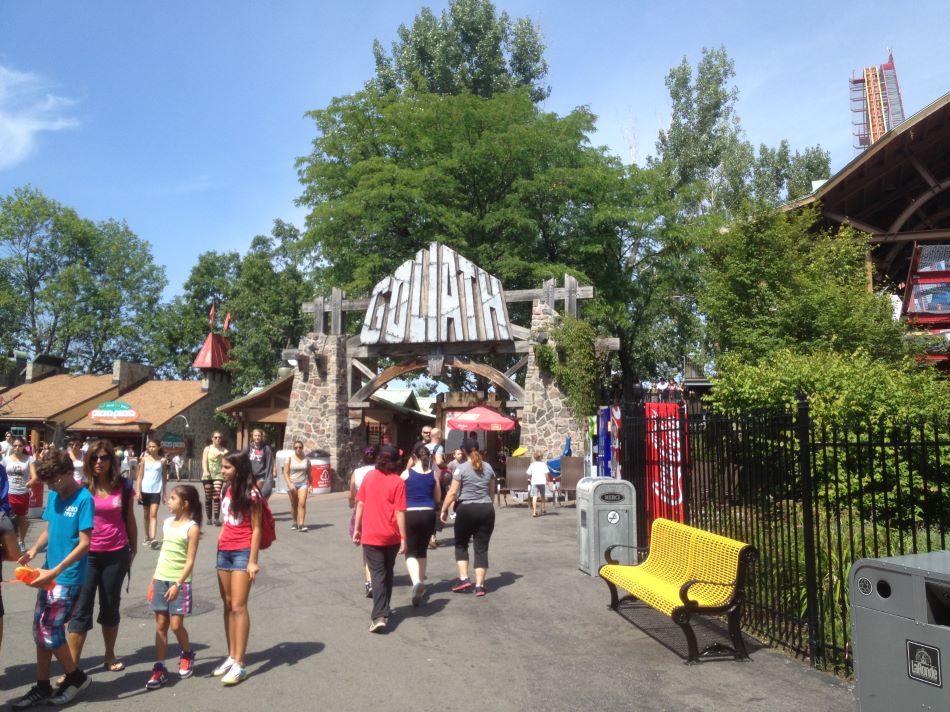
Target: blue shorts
(233, 560)
(179, 606)
(300, 485)
(53, 609)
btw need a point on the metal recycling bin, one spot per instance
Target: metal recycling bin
(900, 611)
(281, 456)
(606, 515)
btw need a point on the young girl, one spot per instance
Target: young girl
(238, 547)
(150, 484)
(171, 584)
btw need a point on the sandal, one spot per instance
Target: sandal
(114, 666)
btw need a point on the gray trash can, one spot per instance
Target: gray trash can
(606, 514)
(900, 611)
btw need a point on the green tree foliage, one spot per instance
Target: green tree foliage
(263, 291)
(517, 190)
(76, 288)
(851, 387)
(470, 48)
(777, 281)
(704, 146)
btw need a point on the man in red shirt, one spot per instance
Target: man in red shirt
(380, 526)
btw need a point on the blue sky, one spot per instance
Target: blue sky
(185, 118)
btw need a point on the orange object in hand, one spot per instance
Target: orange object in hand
(28, 574)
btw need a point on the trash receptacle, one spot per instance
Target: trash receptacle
(606, 515)
(280, 484)
(320, 474)
(900, 613)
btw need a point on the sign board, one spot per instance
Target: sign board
(18, 431)
(113, 413)
(173, 444)
(438, 296)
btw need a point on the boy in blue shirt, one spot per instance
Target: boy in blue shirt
(69, 519)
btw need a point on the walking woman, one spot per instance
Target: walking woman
(472, 485)
(21, 474)
(211, 477)
(297, 476)
(423, 495)
(380, 526)
(238, 547)
(150, 484)
(356, 480)
(111, 551)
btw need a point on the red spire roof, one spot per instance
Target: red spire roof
(214, 353)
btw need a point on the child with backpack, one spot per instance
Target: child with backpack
(170, 591)
(240, 542)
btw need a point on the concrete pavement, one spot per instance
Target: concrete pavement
(542, 638)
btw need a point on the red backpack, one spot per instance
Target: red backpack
(268, 525)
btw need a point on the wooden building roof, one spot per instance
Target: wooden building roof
(156, 402)
(54, 395)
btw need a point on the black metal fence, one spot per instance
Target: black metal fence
(811, 497)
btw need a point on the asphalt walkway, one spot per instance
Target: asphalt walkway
(543, 638)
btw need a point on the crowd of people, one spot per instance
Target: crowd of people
(91, 539)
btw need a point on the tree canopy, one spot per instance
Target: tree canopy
(470, 48)
(78, 289)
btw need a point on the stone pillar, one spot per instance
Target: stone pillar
(547, 420)
(318, 412)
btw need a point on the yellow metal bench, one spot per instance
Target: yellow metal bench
(688, 572)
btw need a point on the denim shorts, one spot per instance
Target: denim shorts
(53, 609)
(233, 560)
(180, 605)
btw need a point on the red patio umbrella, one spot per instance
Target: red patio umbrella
(481, 418)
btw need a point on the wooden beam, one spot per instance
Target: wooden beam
(452, 348)
(913, 236)
(522, 362)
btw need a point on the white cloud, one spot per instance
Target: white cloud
(27, 109)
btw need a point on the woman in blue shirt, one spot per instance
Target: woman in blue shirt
(423, 495)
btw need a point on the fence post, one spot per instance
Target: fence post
(803, 426)
(685, 470)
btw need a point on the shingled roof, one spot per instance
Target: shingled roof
(53, 395)
(156, 402)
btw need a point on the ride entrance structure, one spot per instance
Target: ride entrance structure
(436, 312)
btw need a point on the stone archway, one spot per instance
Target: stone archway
(437, 311)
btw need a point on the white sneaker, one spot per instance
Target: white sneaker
(237, 673)
(223, 667)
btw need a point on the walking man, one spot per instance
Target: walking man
(263, 462)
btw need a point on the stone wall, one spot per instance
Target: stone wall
(546, 419)
(319, 413)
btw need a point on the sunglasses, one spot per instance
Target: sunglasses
(101, 458)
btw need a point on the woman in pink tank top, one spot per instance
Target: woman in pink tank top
(113, 546)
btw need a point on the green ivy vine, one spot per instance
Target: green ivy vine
(574, 365)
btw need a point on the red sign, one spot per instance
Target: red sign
(664, 470)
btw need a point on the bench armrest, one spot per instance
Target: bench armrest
(684, 589)
(609, 550)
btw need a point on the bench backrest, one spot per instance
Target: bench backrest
(683, 552)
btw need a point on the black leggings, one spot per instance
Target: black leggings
(212, 499)
(420, 526)
(476, 521)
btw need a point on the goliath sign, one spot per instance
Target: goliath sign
(439, 296)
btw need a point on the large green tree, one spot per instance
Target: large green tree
(74, 288)
(470, 48)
